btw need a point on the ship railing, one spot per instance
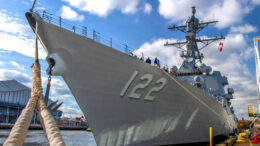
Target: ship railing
(92, 34)
(86, 32)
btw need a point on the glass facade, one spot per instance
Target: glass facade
(13, 100)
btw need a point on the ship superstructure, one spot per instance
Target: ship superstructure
(193, 70)
(129, 102)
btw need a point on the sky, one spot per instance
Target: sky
(142, 25)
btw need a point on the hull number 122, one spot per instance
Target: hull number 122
(144, 82)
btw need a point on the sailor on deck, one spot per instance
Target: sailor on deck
(156, 62)
(165, 68)
(148, 60)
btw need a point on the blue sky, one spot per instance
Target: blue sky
(142, 25)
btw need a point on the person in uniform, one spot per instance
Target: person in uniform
(156, 62)
(148, 60)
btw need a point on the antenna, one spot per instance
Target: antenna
(191, 29)
(34, 2)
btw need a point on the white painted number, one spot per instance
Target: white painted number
(128, 83)
(148, 78)
(145, 81)
(161, 81)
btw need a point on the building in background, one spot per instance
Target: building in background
(13, 98)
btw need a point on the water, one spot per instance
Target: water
(71, 138)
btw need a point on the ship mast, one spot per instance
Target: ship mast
(191, 28)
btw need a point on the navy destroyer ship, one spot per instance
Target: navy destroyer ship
(129, 102)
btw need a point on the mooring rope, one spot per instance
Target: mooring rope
(19, 131)
(52, 131)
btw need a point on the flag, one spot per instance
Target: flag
(220, 46)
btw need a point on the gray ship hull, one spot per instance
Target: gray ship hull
(104, 82)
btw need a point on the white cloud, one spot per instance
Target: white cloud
(70, 112)
(13, 30)
(147, 8)
(1, 63)
(68, 107)
(12, 25)
(247, 54)
(231, 63)
(104, 7)
(166, 55)
(62, 97)
(15, 64)
(256, 2)
(227, 12)
(23, 45)
(5, 51)
(68, 13)
(58, 87)
(26, 3)
(245, 29)
(60, 91)
(40, 8)
(6, 74)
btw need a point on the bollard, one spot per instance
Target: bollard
(210, 136)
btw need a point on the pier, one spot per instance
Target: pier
(39, 127)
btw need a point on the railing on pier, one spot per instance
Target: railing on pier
(86, 32)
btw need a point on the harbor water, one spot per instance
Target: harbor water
(71, 138)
